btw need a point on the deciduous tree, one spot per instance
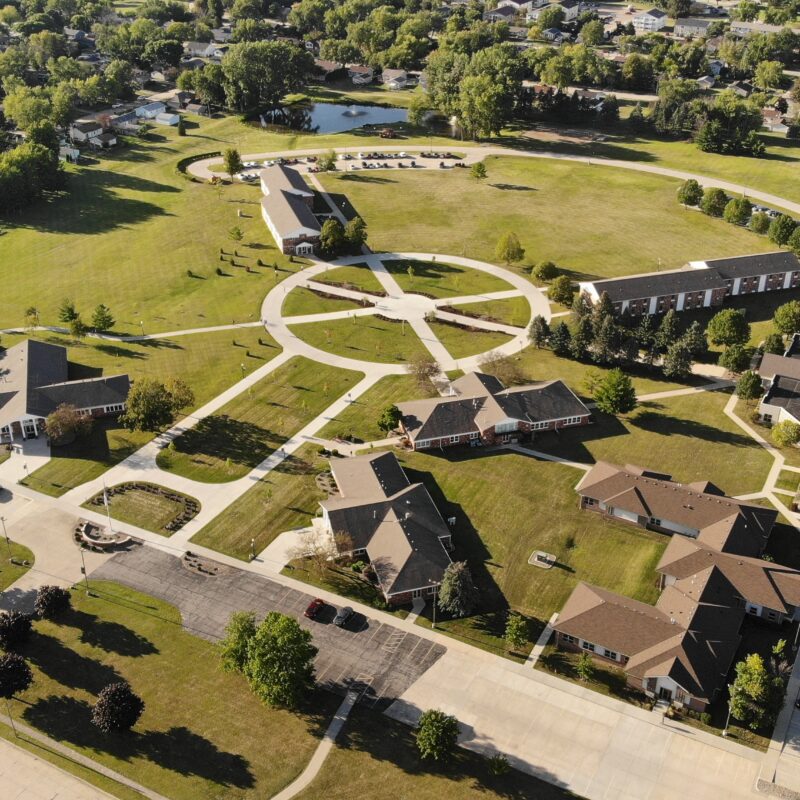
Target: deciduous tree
(748, 387)
(118, 708)
(615, 394)
(437, 735)
(787, 318)
(389, 419)
(786, 433)
(728, 327)
(65, 424)
(52, 601)
(509, 249)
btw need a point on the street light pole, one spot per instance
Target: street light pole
(252, 549)
(433, 623)
(83, 570)
(730, 708)
(8, 541)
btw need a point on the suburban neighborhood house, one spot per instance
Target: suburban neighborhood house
(711, 578)
(34, 381)
(482, 411)
(650, 21)
(780, 377)
(286, 208)
(700, 284)
(379, 514)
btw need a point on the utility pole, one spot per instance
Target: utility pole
(8, 541)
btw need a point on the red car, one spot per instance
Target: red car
(314, 607)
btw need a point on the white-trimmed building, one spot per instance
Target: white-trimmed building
(35, 382)
(287, 209)
(649, 21)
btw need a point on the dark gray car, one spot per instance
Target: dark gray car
(342, 615)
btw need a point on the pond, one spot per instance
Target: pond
(332, 117)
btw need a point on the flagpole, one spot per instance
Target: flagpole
(108, 512)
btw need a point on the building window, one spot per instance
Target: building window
(116, 407)
(504, 427)
(610, 653)
(587, 646)
(572, 420)
(454, 439)
(589, 501)
(772, 616)
(567, 638)
(474, 435)
(655, 521)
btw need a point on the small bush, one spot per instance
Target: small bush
(358, 567)
(52, 602)
(189, 273)
(259, 262)
(219, 271)
(498, 765)
(705, 718)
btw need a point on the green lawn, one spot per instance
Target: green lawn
(377, 757)
(540, 364)
(360, 419)
(208, 362)
(238, 437)
(509, 505)
(689, 437)
(86, 458)
(344, 91)
(368, 338)
(600, 236)
(355, 276)
(788, 480)
(437, 279)
(286, 498)
(129, 227)
(144, 509)
(188, 744)
(512, 311)
(304, 301)
(461, 342)
(5, 452)
(12, 572)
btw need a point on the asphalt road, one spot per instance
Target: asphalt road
(378, 660)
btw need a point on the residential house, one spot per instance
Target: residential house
(150, 110)
(84, 131)
(199, 49)
(394, 78)
(35, 381)
(360, 74)
(706, 83)
(682, 648)
(700, 284)
(379, 514)
(650, 21)
(555, 35)
(773, 120)
(222, 34)
(521, 6)
(287, 209)
(167, 118)
(744, 28)
(571, 9)
(691, 27)
(480, 410)
(327, 70)
(501, 14)
(103, 141)
(179, 100)
(742, 88)
(780, 378)
(715, 67)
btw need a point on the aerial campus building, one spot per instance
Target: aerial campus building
(287, 209)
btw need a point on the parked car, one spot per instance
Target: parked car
(342, 615)
(314, 607)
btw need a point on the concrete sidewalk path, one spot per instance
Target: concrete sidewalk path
(322, 751)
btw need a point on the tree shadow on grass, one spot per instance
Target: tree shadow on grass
(389, 741)
(666, 425)
(226, 438)
(178, 749)
(64, 665)
(112, 637)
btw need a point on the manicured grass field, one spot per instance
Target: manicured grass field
(507, 506)
(360, 419)
(367, 339)
(208, 362)
(143, 509)
(377, 757)
(788, 480)
(195, 738)
(286, 498)
(12, 572)
(461, 342)
(600, 235)
(689, 437)
(130, 226)
(303, 301)
(540, 364)
(238, 437)
(355, 276)
(86, 458)
(437, 279)
(513, 311)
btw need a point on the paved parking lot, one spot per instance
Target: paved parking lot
(380, 660)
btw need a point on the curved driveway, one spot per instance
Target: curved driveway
(473, 153)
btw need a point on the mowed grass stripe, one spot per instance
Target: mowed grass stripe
(231, 442)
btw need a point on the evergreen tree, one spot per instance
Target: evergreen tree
(458, 595)
(538, 331)
(102, 319)
(748, 387)
(668, 331)
(677, 361)
(695, 339)
(606, 342)
(561, 340)
(602, 310)
(581, 338)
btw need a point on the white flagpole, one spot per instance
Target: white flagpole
(108, 512)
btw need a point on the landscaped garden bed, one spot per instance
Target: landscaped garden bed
(147, 505)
